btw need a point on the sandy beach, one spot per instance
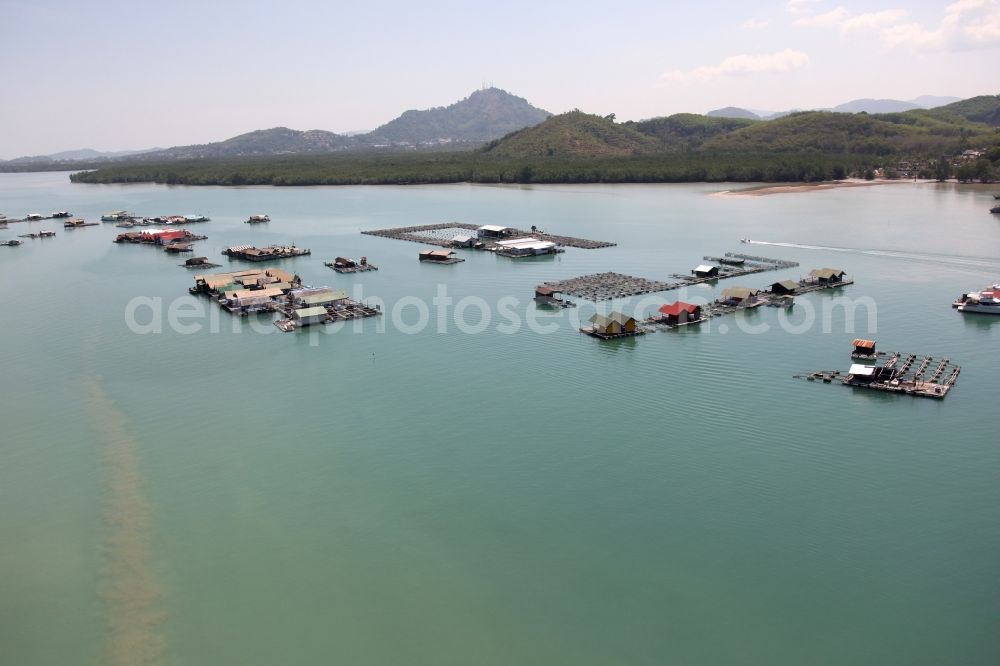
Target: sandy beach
(810, 187)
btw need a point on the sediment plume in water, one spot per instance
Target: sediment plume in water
(130, 590)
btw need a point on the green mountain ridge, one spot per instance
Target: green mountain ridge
(573, 134)
(582, 147)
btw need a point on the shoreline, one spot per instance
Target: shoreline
(791, 188)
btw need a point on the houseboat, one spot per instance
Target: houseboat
(269, 253)
(552, 297)
(257, 219)
(344, 265)
(116, 216)
(864, 350)
(440, 257)
(611, 326)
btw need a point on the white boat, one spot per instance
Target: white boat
(744, 240)
(986, 301)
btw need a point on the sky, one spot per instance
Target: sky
(116, 75)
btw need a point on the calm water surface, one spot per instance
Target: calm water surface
(441, 497)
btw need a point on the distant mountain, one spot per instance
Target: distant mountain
(932, 101)
(274, 141)
(81, 155)
(483, 116)
(732, 112)
(91, 154)
(573, 134)
(875, 106)
(854, 106)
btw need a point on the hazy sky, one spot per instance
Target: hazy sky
(135, 74)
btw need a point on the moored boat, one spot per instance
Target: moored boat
(984, 301)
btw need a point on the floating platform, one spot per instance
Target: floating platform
(343, 265)
(76, 224)
(440, 257)
(443, 234)
(343, 311)
(608, 286)
(269, 253)
(199, 262)
(11, 243)
(595, 331)
(157, 237)
(40, 234)
(906, 374)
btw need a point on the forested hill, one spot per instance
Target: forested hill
(912, 134)
(982, 109)
(574, 134)
(483, 116)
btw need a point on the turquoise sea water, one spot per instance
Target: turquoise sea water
(375, 496)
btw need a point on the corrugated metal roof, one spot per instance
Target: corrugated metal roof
(545, 290)
(864, 344)
(612, 317)
(674, 309)
(240, 294)
(601, 320)
(281, 275)
(864, 370)
(310, 312)
(323, 297)
(826, 273)
(739, 293)
(517, 241)
(790, 285)
(496, 228)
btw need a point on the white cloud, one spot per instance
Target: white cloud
(780, 61)
(873, 20)
(799, 6)
(827, 20)
(966, 25)
(754, 24)
(848, 23)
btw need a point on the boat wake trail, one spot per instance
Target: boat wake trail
(950, 259)
(130, 588)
